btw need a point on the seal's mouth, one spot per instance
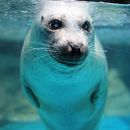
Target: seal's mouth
(68, 58)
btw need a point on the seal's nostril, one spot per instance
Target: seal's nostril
(82, 49)
(76, 49)
(69, 49)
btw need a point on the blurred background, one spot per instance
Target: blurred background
(15, 107)
(111, 1)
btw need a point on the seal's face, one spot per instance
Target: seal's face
(69, 28)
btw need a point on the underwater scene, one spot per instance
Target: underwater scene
(112, 27)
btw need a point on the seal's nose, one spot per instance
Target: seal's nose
(70, 53)
(76, 49)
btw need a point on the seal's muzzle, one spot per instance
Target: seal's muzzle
(70, 54)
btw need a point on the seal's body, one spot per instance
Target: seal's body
(63, 67)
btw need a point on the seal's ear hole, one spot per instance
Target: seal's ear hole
(95, 94)
(32, 97)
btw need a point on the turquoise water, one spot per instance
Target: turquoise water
(114, 34)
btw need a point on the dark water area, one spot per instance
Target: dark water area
(118, 58)
(13, 102)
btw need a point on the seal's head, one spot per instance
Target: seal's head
(70, 31)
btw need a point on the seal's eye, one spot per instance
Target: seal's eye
(86, 26)
(55, 24)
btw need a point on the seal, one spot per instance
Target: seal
(63, 67)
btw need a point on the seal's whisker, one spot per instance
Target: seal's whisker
(38, 42)
(103, 56)
(38, 58)
(91, 47)
(42, 56)
(102, 51)
(47, 48)
(39, 48)
(41, 44)
(60, 59)
(126, 51)
(55, 47)
(105, 51)
(97, 57)
(42, 49)
(33, 49)
(94, 50)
